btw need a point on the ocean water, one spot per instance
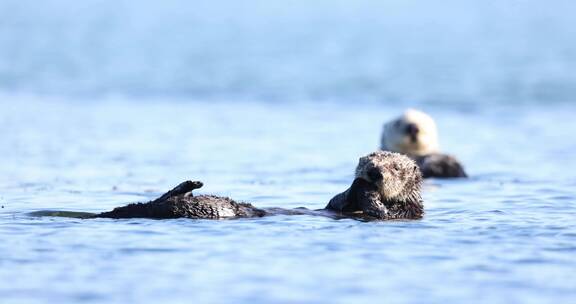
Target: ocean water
(103, 103)
(505, 235)
(445, 51)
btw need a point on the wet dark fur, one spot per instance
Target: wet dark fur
(179, 202)
(440, 165)
(361, 201)
(363, 196)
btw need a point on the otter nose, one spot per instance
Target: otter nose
(374, 174)
(412, 131)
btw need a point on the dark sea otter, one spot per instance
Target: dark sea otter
(414, 133)
(387, 186)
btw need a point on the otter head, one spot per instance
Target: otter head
(396, 176)
(413, 133)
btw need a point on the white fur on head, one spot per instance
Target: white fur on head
(396, 139)
(399, 177)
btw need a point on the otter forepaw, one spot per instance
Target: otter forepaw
(380, 214)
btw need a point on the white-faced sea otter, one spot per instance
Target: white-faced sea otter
(414, 133)
(386, 186)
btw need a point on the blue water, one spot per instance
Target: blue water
(448, 51)
(104, 103)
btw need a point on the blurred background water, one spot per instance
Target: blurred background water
(403, 50)
(107, 102)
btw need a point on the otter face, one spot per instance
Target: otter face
(397, 177)
(414, 133)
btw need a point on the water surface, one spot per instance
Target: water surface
(272, 102)
(505, 235)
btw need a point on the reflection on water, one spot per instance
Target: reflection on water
(506, 234)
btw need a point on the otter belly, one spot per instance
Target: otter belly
(186, 206)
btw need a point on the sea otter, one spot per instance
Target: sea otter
(386, 186)
(414, 133)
